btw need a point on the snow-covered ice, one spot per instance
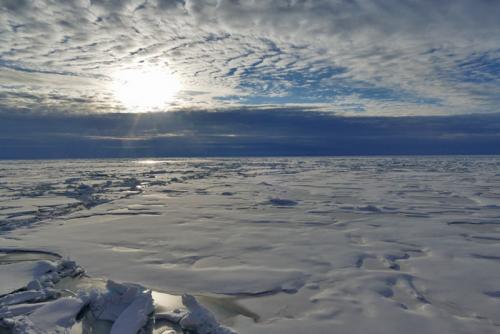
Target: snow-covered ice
(311, 245)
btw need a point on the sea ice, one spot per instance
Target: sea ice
(379, 245)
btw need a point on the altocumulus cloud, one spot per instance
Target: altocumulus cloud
(362, 57)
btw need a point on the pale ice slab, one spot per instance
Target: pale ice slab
(51, 318)
(200, 320)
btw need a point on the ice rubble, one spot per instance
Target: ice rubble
(39, 307)
(46, 312)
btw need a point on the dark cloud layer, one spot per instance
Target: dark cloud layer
(242, 133)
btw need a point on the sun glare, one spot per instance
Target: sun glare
(141, 90)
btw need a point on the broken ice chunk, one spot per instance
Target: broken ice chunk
(28, 296)
(17, 310)
(54, 317)
(110, 305)
(199, 319)
(135, 316)
(44, 267)
(69, 268)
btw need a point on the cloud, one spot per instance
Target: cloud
(241, 132)
(363, 57)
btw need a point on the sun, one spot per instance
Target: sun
(145, 89)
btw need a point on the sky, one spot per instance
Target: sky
(229, 77)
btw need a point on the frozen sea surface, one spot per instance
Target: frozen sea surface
(313, 245)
